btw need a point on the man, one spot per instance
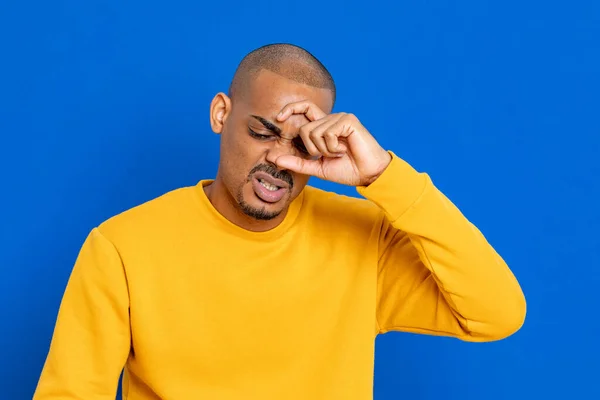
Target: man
(255, 285)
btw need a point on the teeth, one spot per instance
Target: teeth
(267, 185)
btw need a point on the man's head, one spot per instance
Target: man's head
(251, 140)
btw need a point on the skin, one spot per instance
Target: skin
(301, 139)
(231, 193)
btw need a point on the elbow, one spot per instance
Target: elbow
(503, 320)
(509, 318)
(513, 322)
(506, 311)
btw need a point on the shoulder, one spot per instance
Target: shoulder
(145, 218)
(342, 209)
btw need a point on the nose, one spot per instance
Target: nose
(280, 147)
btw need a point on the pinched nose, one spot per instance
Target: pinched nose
(281, 147)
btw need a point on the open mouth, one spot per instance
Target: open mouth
(268, 186)
(267, 191)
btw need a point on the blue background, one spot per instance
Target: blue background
(104, 105)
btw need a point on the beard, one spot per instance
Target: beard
(257, 213)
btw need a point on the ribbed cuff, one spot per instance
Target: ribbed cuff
(397, 188)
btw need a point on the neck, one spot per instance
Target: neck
(228, 207)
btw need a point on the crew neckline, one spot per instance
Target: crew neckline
(222, 222)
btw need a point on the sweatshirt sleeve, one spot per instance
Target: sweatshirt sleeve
(91, 339)
(437, 274)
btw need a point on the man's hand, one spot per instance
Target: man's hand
(347, 153)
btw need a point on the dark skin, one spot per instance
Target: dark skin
(280, 132)
(253, 137)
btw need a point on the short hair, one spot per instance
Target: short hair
(288, 60)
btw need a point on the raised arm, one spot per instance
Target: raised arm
(437, 273)
(91, 340)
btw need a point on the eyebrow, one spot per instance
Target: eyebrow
(267, 124)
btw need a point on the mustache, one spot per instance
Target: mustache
(274, 172)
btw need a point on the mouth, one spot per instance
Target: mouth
(269, 189)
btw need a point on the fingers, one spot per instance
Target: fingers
(321, 135)
(322, 138)
(307, 108)
(328, 135)
(301, 165)
(311, 145)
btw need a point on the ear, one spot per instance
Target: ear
(220, 107)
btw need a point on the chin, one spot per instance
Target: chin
(260, 214)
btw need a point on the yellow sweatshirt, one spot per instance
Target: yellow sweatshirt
(194, 307)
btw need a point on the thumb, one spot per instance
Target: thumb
(299, 165)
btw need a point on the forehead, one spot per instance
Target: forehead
(269, 92)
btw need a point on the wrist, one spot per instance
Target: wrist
(384, 161)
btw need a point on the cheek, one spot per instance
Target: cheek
(236, 145)
(242, 155)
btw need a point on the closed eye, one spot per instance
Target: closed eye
(298, 143)
(258, 135)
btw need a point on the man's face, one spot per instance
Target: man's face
(252, 140)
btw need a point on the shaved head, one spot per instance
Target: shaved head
(287, 60)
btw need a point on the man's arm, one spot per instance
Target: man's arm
(91, 340)
(437, 274)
